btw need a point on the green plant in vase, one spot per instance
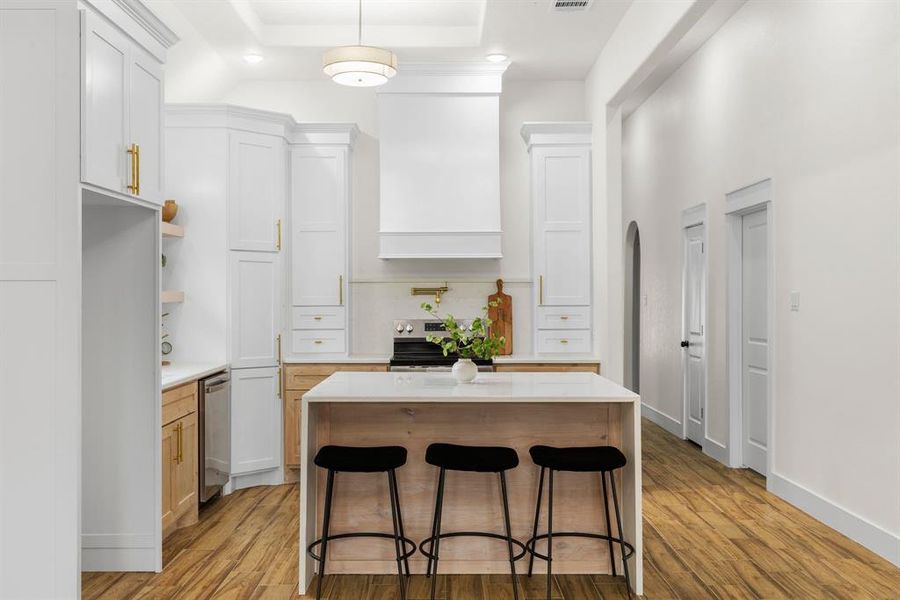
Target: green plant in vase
(467, 343)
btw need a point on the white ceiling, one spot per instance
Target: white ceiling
(291, 34)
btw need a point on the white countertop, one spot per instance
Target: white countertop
(487, 387)
(178, 373)
(500, 360)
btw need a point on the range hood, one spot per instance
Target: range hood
(439, 133)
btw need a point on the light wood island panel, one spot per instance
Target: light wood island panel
(299, 379)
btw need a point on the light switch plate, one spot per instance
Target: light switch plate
(795, 301)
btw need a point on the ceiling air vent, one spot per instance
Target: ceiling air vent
(570, 5)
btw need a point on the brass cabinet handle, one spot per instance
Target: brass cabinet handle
(564, 318)
(317, 342)
(137, 152)
(280, 381)
(278, 239)
(541, 290)
(317, 318)
(341, 290)
(179, 440)
(278, 345)
(563, 341)
(134, 186)
(175, 454)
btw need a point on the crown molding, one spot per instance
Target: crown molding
(147, 19)
(556, 133)
(254, 120)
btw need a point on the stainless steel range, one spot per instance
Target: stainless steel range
(412, 352)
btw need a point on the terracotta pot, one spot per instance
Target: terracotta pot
(169, 210)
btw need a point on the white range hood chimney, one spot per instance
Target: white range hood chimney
(439, 130)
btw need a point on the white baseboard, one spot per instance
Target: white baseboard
(668, 423)
(716, 450)
(118, 552)
(240, 482)
(878, 540)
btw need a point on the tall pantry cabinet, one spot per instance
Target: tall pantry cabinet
(226, 167)
(561, 203)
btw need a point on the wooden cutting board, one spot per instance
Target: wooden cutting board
(501, 316)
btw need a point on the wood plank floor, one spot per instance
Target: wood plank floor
(709, 532)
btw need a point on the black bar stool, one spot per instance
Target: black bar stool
(474, 459)
(363, 460)
(591, 459)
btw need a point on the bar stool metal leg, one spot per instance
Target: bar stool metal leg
(612, 555)
(612, 484)
(329, 488)
(392, 486)
(438, 513)
(396, 489)
(550, 536)
(512, 560)
(537, 516)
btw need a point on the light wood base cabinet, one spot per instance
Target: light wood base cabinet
(299, 379)
(548, 367)
(180, 499)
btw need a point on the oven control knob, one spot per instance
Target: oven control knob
(409, 328)
(399, 327)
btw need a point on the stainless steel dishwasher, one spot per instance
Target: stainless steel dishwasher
(215, 434)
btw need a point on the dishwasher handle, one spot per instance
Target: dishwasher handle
(215, 386)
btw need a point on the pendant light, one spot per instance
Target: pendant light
(359, 66)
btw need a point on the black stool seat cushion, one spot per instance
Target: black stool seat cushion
(583, 459)
(481, 459)
(351, 459)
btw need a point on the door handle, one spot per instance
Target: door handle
(685, 343)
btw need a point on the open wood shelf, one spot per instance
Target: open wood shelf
(171, 231)
(171, 297)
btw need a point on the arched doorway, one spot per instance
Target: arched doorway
(633, 308)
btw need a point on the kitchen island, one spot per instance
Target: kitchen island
(500, 409)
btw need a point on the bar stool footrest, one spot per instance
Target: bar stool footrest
(530, 544)
(363, 534)
(496, 536)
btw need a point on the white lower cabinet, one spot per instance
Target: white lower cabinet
(255, 420)
(256, 308)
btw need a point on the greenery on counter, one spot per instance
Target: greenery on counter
(465, 342)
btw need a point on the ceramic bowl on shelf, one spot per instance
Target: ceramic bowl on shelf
(169, 210)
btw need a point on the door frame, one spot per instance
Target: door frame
(743, 201)
(690, 217)
(633, 307)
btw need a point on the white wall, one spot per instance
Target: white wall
(808, 95)
(649, 30)
(381, 288)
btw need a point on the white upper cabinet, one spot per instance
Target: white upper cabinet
(319, 195)
(562, 240)
(256, 191)
(122, 96)
(146, 105)
(256, 308)
(105, 88)
(561, 199)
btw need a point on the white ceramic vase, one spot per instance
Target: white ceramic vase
(465, 370)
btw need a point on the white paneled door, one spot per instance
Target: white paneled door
(104, 120)
(40, 301)
(256, 187)
(693, 344)
(754, 339)
(318, 225)
(255, 420)
(146, 102)
(255, 309)
(562, 245)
